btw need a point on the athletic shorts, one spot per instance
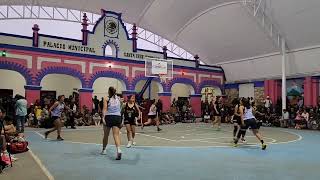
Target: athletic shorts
(152, 117)
(250, 123)
(237, 119)
(53, 119)
(113, 121)
(131, 121)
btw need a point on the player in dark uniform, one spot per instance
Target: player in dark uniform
(217, 113)
(237, 121)
(131, 112)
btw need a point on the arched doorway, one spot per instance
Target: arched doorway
(101, 85)
(60, 83)
(11, 83)
(181, 90)
(152, 91)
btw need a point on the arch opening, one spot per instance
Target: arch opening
(152, 91)
(181, 90)
(12, 84)
(60, 83)
(101, 85)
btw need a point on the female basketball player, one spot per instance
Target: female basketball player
(249, 120)
(152, 116)
(131, 112)
(56, 110)
(217, 113)
(111, 118)
(237, 121)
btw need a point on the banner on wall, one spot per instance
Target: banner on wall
(210, 93)
(111, 27)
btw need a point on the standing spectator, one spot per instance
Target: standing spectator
(300, 103)
(21, 112)
(70, 120)
(285, 119)
(37, 113)
(174, 102)
(95, 104)
(292, 116)
(267, 103)
(101, 105)
(306, 117)
(251, 100)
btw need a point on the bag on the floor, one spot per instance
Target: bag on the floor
(18, 147)
(5, 160)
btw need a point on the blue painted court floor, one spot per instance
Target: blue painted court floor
(299, 160)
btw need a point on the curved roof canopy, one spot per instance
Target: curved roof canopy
(217, 30)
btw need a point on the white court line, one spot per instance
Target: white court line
(158, 137)
(286, 142)
(166, 139)
(38, 161)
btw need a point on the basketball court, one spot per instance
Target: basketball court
(193, 57)
(186, 147)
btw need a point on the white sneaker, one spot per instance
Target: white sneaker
(134, 143)
(243, 141)
(129, 144)
(103, 152)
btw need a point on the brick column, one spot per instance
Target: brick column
(272, 88)
(32, 93)
(315, 92)
(85, 98)
(195, 101)
(165, 97)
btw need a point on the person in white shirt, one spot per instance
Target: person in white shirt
(21, 112)
(306, 118)
(267, 102)
(152, 116)
(285, 118)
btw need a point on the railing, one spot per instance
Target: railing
(257, 8)
(70, 15)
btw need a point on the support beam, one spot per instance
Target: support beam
(284, 88)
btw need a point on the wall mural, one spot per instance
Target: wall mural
(294, 90)
(210, 93)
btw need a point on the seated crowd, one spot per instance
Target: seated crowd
(295, 116)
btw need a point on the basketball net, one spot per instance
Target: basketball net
(163, 78)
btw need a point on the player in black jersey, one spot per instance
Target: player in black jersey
(131, 112)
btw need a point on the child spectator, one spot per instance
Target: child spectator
(97, 119)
